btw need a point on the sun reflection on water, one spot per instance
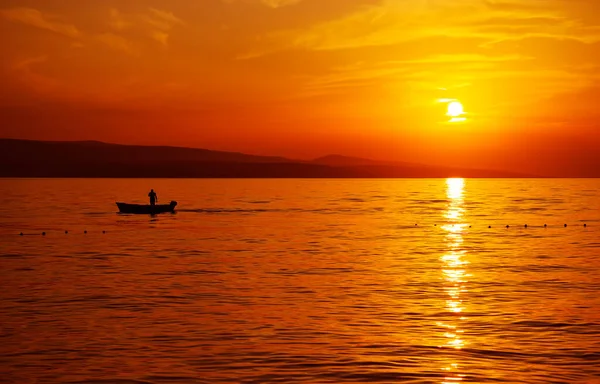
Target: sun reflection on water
(454, 274)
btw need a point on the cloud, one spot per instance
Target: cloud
(35, 18)
(269, 3)
(420, 69)
(155, 24)
(117, 42)
(513, 6)
(26, 64)
(118, 21)
(161, 37)
(25, 73)
(162, 22)
(391, 22)
(279, 3)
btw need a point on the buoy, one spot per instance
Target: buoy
(21, 234)
(85, 232)
(506, 225)
(435, 225)
(105, 231)
(545, 225)
(584, 225)
(489, 226)
(565, 225)
(66, 232)
(43, 233)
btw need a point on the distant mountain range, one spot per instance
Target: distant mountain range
(29, 158)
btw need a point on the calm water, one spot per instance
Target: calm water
(301, 281)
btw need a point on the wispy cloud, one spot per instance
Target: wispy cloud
(156, 24)
(268, 3)
(514, 6)
(279, 3)
(118, 21)
(161, 37)
(35, 18)
(26, 74)
(391, 22)
(117, 42)
(162, 22)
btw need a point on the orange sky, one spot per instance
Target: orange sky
(305, 78)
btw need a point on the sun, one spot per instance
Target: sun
(455, 109)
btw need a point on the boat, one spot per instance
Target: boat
(147, 209)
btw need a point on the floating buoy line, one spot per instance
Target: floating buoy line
(507, 226)
(44, 233)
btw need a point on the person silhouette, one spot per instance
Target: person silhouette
(153, 197)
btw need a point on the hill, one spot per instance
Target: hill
(30, 158)
(348, 161)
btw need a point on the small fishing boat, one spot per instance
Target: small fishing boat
(146, 209)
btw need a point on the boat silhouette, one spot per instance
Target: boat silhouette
(146, 209)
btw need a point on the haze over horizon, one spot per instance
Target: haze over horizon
(303, 78)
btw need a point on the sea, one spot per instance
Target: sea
(300, 281)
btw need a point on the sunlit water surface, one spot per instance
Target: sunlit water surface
(301, 281)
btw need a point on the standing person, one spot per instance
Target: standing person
(153, 197)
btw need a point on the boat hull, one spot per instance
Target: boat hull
(146, 209)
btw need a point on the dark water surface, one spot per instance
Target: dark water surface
(301, 281)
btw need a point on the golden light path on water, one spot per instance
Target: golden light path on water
(454, 273)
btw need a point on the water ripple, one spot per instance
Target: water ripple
(299, 281)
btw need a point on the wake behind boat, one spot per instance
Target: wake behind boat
(146, 209)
